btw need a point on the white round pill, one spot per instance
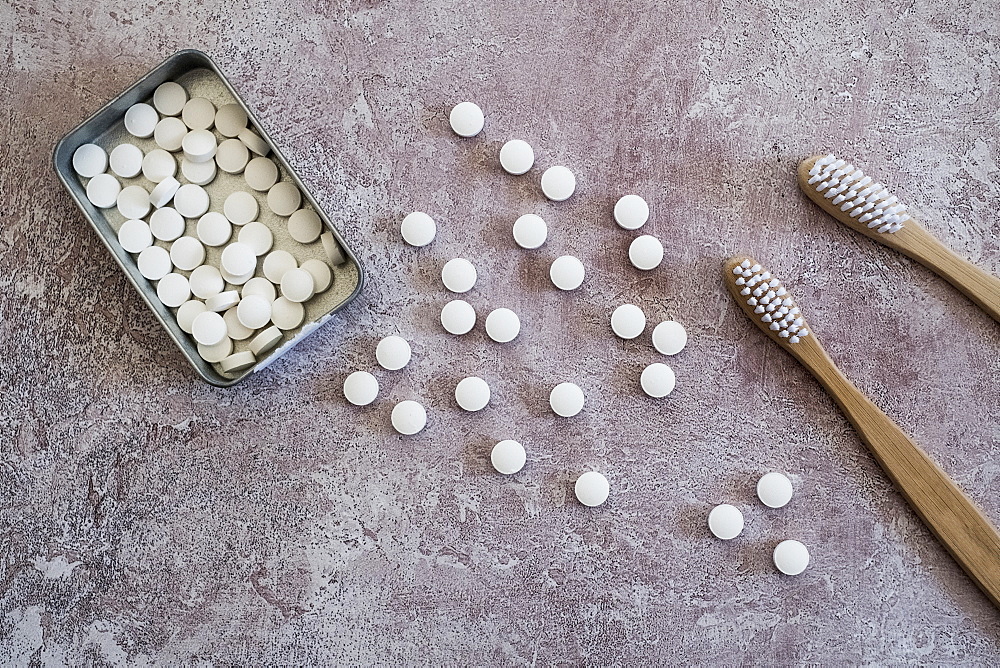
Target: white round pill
(392, 353)
(530, 231)
(89, 160)
(223, 301)
(133, 202)
(297, 285)
(592, 489)
(173, 290)
(628, 321)
(277, 263)
(657, 380)
(669, 337)
(126, 160)
(774, 490)
(199, 146)
(320, 272)
(134, 236)
(261, 174)
(214, 229)
(164, 191)
(458, 317)
(508, 457)
(467, 119)
(266, 340)
(166, 224)
(631, 212)
(191, 201)
(503, 325)
(187, 253)
(154, 263)
(254, 141)
(418, 229)
(645, 252)
(260, 286)
(102, 191)
(558, 183)
(258, 236)
(286, 314)
(217, 352)
(198, 173)
(332, 249)
(141, 120)
(232, 156)
(198, 113)
(158, 165)
(566, 399)
(725, 521)
(305, 226)
(791, 557)
(459, 275)
(254, 311)
(408, 417)
(208, 328)
(206, 281)
(472, 393)
(187, 312)
(169, 133)
(517, 157)
(238, 259)
(284, 198)
(169, 98)
(230, 119)
(567, 272)
(237, 330)
(360, 388)
(237, 362)
(241, 208)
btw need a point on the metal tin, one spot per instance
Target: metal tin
(109, 116)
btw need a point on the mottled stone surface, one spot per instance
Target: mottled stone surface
(146, 516)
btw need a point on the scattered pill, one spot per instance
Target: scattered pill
(258, 236)
(199, 146)
(286, 314)
(297, 285)
(102, 191)
(305, 226)
(126, 160)
(277, 263)
(206, 281)
(669, 337)
(558, 183)
(191, 201)
(360, 388)
(408, 417)
(173, 290)
(133, 202)
(237, 330)
(418, 229)
(238, 258)
(158, 165)
(254, 141)
(332, 249)
(467, 119)
(657, 380)
(628, 321)
(237, 279)
(266, 340)
(458, 317)
(631, 212)
(592, 489)
(223, 301)
(725, 521)
(187, 253)
(321, 274)
(530, 231)
(254, 311)
(459, 275)
(198, 113)
(503, 325)
(517, 157)
(284, 198)
(169, 133)
(134, 236)
(154, 263)
(774, 490)
(645, 252)
(230, 119)
(164, 191)
(169, 98)
(216, 352)
(393, 353)
(237, 362)
(198, 173)
(209, 328)
(141, 120)
(261, 174)
(89, 160)
(508, 457)
(214, 229)
(567, 272)
(260, 286)
(232, 156)
(791, 557)
(187, 312)
(472, 393)
(166, 224)
(241, 208)
(566, 399)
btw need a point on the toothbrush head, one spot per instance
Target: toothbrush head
(846, 193)
(766, 301)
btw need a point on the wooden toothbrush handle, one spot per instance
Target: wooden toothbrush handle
(958, 524)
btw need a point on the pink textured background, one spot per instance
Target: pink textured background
(146, 516)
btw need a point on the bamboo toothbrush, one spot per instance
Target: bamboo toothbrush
(844, 192)
(961, 527)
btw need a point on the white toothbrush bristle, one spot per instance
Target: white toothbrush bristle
(772, 304)
(848, 188)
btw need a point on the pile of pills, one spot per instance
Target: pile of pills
(774, 490)
(253, 292)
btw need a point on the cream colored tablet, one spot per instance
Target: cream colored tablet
(517, 157)
(198, 113)
(237, 330)
(459, 275)
(284, 198)
(206, 281)
(158, 165)
(232, 156)
(418, 229)
(261, 174)
(222, 301)
(141, 120)
(669, 337)
(332, 249)
(166, 224)
(154, 263)
(258, 236)
(458, 317)
(266, 340)
(164, 191)
(133, 202)
(187, 253)
(393, 353)
(592, 489)
(567, 272)
(472, 393)
(89, 160)
(103, 190)
(566, 399)
(230, 119)
(530, 231)
(214, 229)
(241, 208)
(725, 521)
(305, 226)
(791, 557)
(169, 133)
(558, 183)
(360, 388)
(277, 263)
(254, 311)
(187, 312)
(238, 259)
(503, 325)
(657, 380)
(254, 142)
(631, 212)
(126, 160)
(237, 362)
(134, 236)
(286, 314)
(774, 490)
(408, 417)
(198, 173)
(628, 321)
(467, 119)
(321, 274)
(297, 285)
(260, 286)
(217, 352)
(209, 328)
(173, 290)
(199, 146)
(169, 98)
(508, 457)
(645, 252)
